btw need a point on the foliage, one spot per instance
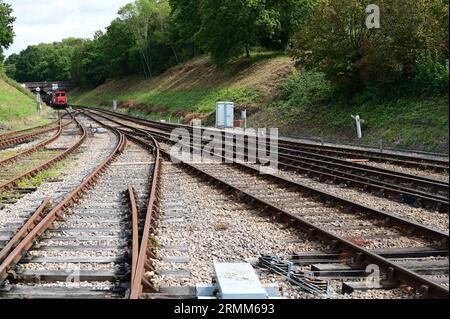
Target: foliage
(431, 75)
(229, 27)
(337, 41)
(305, 89)
(17, 108)
(185, 24)
(148, 23)
(6, 27)
(43, 62)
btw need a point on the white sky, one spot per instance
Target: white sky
(43, 21)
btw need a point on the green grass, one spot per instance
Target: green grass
(44, 176)
(409, 122)
(17, 109)
(173, 102)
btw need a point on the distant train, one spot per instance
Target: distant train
(56, 99)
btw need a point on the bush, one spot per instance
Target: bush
(336, 40)
(305, 89)
(432, 74)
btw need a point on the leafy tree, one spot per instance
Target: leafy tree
(337, 41)
(43, 62)
(291, 15)
(147, 22)
(6, 27)
(186, 23)
(231, 27)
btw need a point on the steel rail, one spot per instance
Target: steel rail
(26, 243)
(22, 138)
(347, 205)
(137, 281)
(37, 147)
(25, 229)
(384, 189)
(374, 171)
(405, 160)
(361, 255)
(357, 177)
(135, 230)
(9, 184)
(7, 135)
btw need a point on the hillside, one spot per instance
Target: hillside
(17, 108)
(191, 90)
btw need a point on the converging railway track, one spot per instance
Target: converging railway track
(11, 139)
(82, 247)
(402, 249)
(132, 224)
(405, 188)
(423, 162)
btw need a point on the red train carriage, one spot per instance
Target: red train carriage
(59, 100)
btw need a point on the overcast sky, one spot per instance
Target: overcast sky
(41, 21)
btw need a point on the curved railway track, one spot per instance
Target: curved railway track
(420, 162)
(279, 198)
(87, 245)
(101, 233)
(36, 161)
(13, 138)
(404, 188)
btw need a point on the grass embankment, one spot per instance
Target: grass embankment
(18, 107)
(411, 122)
(191, 90)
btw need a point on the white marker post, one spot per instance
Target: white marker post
(244, 117)
(38, 100)
(359, 121)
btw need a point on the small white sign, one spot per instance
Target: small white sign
(55, 87)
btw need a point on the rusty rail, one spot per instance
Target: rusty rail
(37, 147)
(332, 150)
(138, 269)
(138, 279)
(7, 135)
(22, 138)
(49, 163)
(135, 234)
(25, 230)
(361, 255)
(26, 243)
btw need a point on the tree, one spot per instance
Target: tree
(231, 27)
(291, 15)
(6, 27)
(43, 62)
(186, 23)
(337, 41)
(147, 22)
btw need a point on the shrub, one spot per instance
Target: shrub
(336, 40)
(305, 89)
(432, 74)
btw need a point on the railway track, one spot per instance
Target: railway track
(106, 239)
(11, 139)
(404, 188)
(29, 163)
(434, 164)
(374, 229)
(84, 247)
(334, 223)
